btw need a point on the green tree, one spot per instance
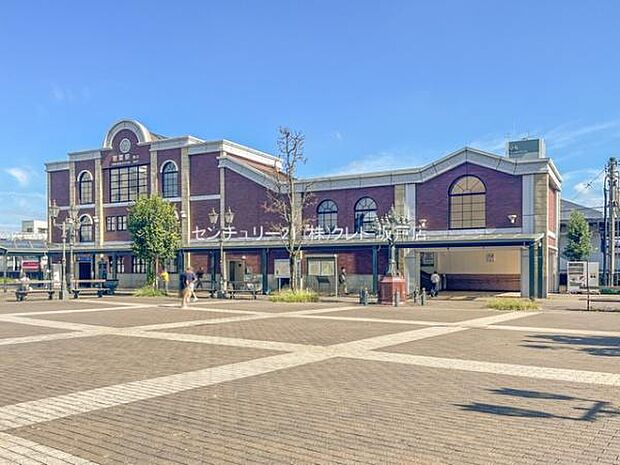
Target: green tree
(578, 241)
(155, 233)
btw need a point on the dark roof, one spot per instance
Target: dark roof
(23, 246)
(567, 207)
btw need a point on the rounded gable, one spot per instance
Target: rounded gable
(142, 134)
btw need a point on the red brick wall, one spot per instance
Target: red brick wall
(199, 217)
(115, 235)
(59, 187)
(552, 213)
(504, 192)
(247, 200)
(204, 174)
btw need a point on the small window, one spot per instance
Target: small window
(321, 266)
(85, 188)
(467, 203)
(110, 223)
(170, 180)
(121, 223)
(138, 265)
(327, 215)
(86, 229)
(365, 214)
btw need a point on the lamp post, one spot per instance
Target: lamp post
(226, 221)
(68, 229)
(391, 227)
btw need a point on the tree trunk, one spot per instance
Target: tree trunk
(293, 271)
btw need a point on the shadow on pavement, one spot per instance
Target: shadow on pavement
(603, 346)
(592, 409)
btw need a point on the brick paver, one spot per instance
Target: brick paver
(343, 411)
(133, 316)
(45, 369)
(9, 330)
(412, 313)
(544, 350)
(300, 331)
(601, 321)
(452, 383)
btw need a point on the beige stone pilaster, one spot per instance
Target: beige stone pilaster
(399, 199)
(72, 182)
(154, 174)
(100, 227)
(185, 194)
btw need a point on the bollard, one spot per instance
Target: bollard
(397, 299)
(364, 296)
(423, 297)
(416, 293)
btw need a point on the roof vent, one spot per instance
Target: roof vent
(526, 149)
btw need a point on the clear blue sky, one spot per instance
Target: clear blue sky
(374, 85)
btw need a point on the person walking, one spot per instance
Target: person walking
(183, 288)
(435, 280)
(190, 278)
(165, 279)
(199, 275)
(342, 281)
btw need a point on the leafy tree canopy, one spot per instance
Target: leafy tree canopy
(578, 245)
(155, 232)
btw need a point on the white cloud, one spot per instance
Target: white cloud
(584, 187)
(18, 206)
(21, 175)
(338, 135)
(572, 133)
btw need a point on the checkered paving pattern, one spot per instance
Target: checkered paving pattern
(120, 381)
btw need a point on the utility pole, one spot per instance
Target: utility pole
(612, 204)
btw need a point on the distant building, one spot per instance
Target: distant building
(596, 222)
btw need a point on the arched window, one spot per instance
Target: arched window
(170, 179)
(365, 214)
(327, 215)
(85, 187)
(86, 229)
(467, 203)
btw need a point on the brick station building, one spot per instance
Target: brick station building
(483, 221)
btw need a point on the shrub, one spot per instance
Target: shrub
(294, 297)
(149, 291)
(503, 303)
(610, 290)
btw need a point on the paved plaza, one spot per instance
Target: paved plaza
(139, 381)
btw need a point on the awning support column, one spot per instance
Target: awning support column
(264, 262)
(375, 270)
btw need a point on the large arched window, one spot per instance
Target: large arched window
(365, 214)
(467, 203)
(86, 229)
(85, 187)
(327, 215)
(170, 179)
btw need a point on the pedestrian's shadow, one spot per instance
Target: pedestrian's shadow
(592, 409)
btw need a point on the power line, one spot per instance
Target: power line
(588, 184)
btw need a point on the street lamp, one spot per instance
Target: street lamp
(68, 228)
(391, 227)
(228, 217)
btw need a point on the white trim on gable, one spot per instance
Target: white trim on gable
(247, 171)
(134, 126)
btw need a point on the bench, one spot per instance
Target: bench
(21, 294)
(34, 287)
(243, 287)
(89, 286)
